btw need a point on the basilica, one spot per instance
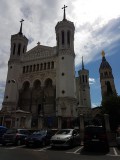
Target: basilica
(41, 87)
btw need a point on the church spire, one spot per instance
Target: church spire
(64, 15)
(20, 32)
(82, 63)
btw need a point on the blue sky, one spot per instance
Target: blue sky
(97, 28)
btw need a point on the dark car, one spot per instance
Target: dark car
(15, 136)
(39, 138)
(3, 130)
(95, 137)
(66, 138)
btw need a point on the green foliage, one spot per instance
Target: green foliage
(111, 106)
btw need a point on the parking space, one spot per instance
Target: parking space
(114, 151)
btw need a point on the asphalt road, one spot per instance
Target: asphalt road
(22, 153)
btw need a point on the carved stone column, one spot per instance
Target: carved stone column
(40, 122)
(81, 127)
(59, 122)
(107, 126)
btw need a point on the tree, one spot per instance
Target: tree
(111, 106)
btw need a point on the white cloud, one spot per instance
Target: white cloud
(95, 105)
(92, 80)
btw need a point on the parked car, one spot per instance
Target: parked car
(3, 129)
(95, 136)
(66, 138)
(118, 139)
(40, 138)
(15, 136)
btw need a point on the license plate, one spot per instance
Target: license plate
(96, 140)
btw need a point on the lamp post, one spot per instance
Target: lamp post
(14, 82)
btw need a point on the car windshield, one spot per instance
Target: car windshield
(42, 132)
(94, 129)
(9, 131)
(64, 131)
(23, 131)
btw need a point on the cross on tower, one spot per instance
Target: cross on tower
(20, 32)
(64, 16)
(21, 20)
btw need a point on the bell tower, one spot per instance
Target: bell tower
(84, 91)
(65, 74)
(106, 78)
(18, 44)
(18, 48)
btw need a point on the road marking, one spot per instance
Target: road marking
(75, 152)
(113, 155)
(115, 152)
(15, 147)
(43, 149)
(78, 149)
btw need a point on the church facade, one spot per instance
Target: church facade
(41, 87)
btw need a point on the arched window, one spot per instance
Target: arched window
(30, 68)
(68, 37)
(83, 78)
(37, 84)
(26, 85)
(80, 79)
(14, 47)
(45, 66)
(24, 49)
(24, 69)
(48, 82)
(52, 65)
(105, 73)
(37, 67)
(19, 48)
(27, 68)
(41, 66)
(63, 37)
(109, 88)
(57, 39)
(34, 66)
(48, 65)
(86, 78)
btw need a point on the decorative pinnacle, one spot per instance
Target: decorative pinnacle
(64, 15)
(103, 53)
(20, 32)
(38, 43)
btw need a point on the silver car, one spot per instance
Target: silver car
(66, 138)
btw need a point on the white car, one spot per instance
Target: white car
(66, 138)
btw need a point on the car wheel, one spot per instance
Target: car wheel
(71, 145)
(4, 144)
(19, 142)
(43, 143)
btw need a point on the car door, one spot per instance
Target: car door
(76, 137)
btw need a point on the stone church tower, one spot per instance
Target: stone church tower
(106, 78)
(83, 91)
(18, 48)
(65, 75)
